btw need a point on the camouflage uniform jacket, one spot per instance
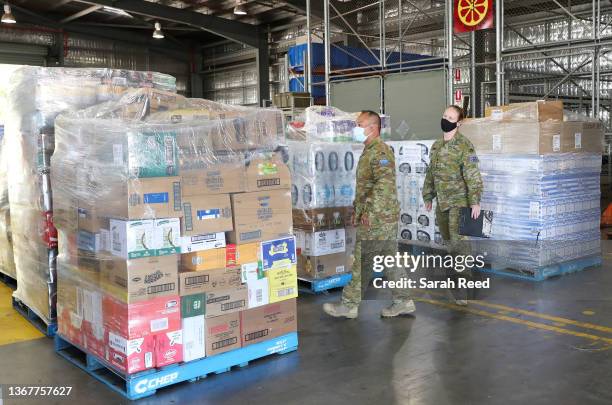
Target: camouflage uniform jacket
(453, 176)
(376, 191)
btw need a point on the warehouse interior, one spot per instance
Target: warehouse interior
(238, 87)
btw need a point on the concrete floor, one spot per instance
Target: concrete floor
(527, 343)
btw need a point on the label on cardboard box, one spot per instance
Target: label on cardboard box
(267, 174)
(279, 253)
(209, 280)
(578, 140)
(153, 154)
(556, 143)
(497, 142)
(198, 243)
(283, 283)
(132, 239)
(167, 236)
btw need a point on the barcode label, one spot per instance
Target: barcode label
(224, 343)
(196, 280)
(578, 140)
(188, 218)
(256, 335)
(214, 300)
(159, 325)
(232, 305)
(148, 359)
(169, 149)
(285, 291)
(556, 143)
(268, 182)
(497, 142)
(118, 154)
(176, 188)
(259, 295)
(156, 289)
(250, 235)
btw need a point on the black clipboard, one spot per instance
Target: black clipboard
(480, 227)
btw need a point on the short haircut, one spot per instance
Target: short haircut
(459, 112)
(372, 114)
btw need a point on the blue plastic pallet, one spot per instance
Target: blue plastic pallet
(8, 280)
(324, 284)
(147, 383)
(546, 272)
(39, 323)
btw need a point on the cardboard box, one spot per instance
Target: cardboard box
(582, 137)
(207, 214)
(539, 111)
(322, 219)
(204, 260)
(192, 282)
(267, 174)
(133, 330)
(169, 347)
(220, 302)
(223, 334)
(167, 236)
(251, 271)
(133, 239)
(514, 137)
(268, 322)
(198, 243)
(278, 253)
(283, 283)
(218, 178)
(142, 198)
(238, 255)
(231, 132)
(153, 154)
(321, 243)
(263, 215)
(314, 267)
(89, 220)
(140, 280)
(194, 329)
(259, 292)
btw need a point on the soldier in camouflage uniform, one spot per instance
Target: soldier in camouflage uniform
(376, 214)
(453, 178)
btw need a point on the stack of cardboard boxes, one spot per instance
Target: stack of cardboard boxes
(323, 190)
(541, 179)
(411, 163)
(185, 250)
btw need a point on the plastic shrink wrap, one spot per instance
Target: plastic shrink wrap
(323, 162)
(165, 207)
(7, 264)
(541, 177)
(36, 97)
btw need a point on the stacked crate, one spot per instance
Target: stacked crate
(37, 95)
(175, 230)
(542, 181)
(323, 163)
(411, 163)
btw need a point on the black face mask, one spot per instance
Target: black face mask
(447, 126)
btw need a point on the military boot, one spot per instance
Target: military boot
(398, 308)
(339, 310)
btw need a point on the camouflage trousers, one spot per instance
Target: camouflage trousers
(448, 222)
(366, 247)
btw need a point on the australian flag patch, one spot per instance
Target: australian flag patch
(473, 158)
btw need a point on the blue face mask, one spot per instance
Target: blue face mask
(359, 134)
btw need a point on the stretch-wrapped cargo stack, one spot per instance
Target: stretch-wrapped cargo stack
(35, 98)
(411, 163)
(174, 220)
(323, 161)
(541, 174)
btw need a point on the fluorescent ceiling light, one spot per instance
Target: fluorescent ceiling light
(240, 9)
(117, 11)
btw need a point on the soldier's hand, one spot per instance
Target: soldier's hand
(364, 220)
(428, 206)
(475, 211)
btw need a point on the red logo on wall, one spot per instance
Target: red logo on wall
(472, 15)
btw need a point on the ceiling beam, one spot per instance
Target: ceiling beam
(58, 4)
(80, 14)
(234, 30)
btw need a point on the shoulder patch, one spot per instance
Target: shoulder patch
(473, 158)
(384, 162)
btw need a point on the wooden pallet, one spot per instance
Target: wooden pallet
(8, 280)
(49, 329)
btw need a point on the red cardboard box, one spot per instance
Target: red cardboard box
(168, 348)
(130, 355)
